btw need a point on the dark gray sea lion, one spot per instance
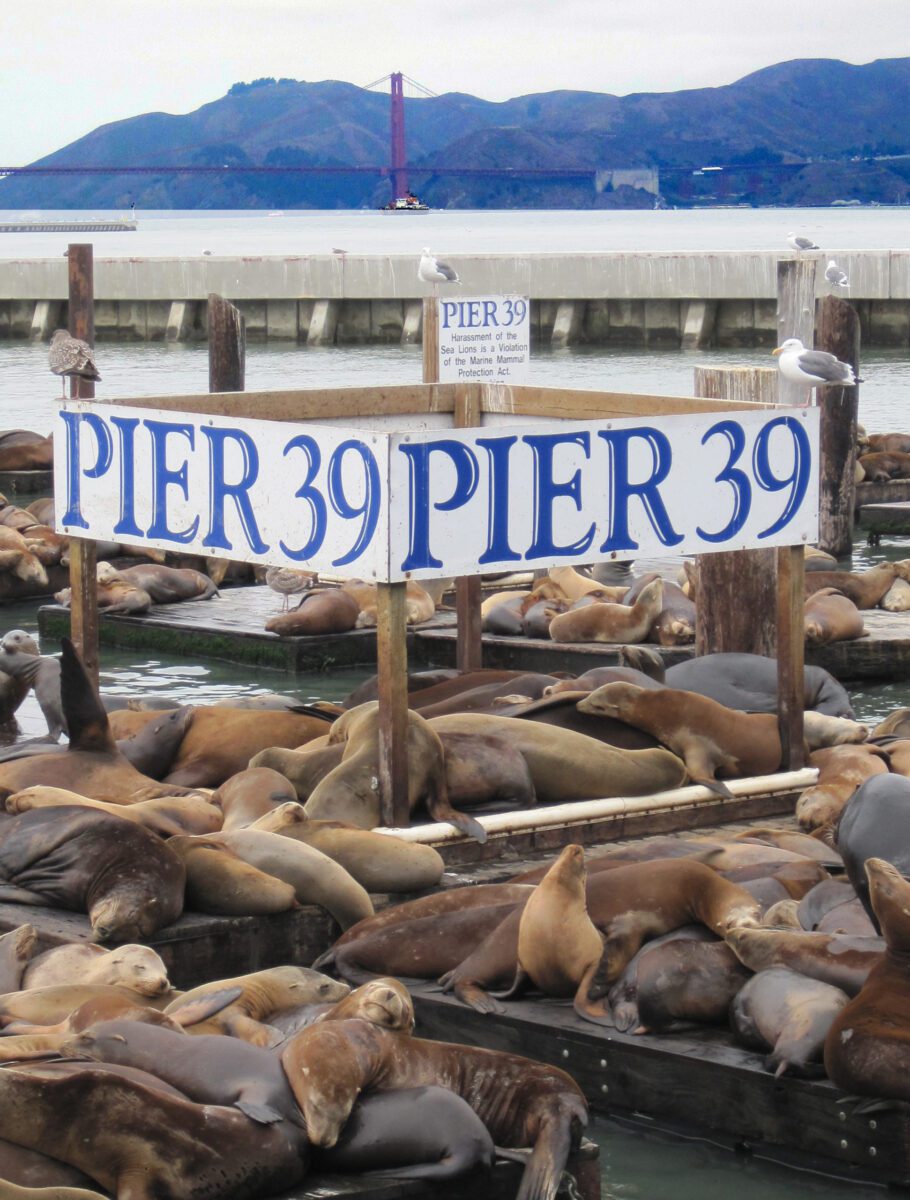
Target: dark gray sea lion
(560, 709)
(153, 749)
(827, 895)
(39, 672)
(417, 681)
(789, 1015)
(484, 697)
(875, 823)
(675, 624)
(687, 982)
(83, 860)
(622, 998)
(749, 682)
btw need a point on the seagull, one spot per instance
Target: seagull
(71, 356)
(434, 270)
(290, 581)
(835, 275)
(798, 243)
(812, 367)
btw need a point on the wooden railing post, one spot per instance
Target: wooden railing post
(392, 670)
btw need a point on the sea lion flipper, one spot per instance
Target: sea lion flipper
(475, 997)
(543, 1173)
(86, 719)
(441, 810)
(518, 985)
(262, 1114)
(589, 1009)
(198, 1010)
(10, 894)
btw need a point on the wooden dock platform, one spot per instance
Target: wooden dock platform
(889, 518)
(894, 491)
(231, 627)
(26, 486)
(697, 1081)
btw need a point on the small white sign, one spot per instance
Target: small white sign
(484, 339)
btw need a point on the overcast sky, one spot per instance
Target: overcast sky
(71, 65)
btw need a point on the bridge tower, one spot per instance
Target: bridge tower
(399, 157)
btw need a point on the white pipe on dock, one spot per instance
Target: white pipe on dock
(583, 811)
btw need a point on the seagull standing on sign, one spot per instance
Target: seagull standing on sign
(812, 367)
(70, 356)
(798, 243)
(835, 276)
(435, 271)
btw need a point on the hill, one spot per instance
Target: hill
(854, 118)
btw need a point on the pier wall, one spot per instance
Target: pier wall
(634, 299)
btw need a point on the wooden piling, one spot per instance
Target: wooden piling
(839, 334)
(795, 315)
(227, 346)
(469, 643)
(791, 566)
(392, 670)
(83, 552)
(737, 596)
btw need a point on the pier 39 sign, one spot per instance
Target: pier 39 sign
(425, 504)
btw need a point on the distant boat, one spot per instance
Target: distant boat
(406, 203)
(276, 214)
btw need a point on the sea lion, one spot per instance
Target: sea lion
(561, 710)
(829, 616)
(115, 594)
(138, 1138)
(788, 1014)
(574, 585)
(821, 730)
(709, 738)
(611, 622)
(565, 765)
(166, 816)
(866, 1051)
(839, 959)
(521, 1103)
(251, 794)
(378, 862)
(24, 450)
(597, 677)
(22, 668)
(622, 998)
(782, 914)
(417, 681)
(794, 843)
(16, 558)
(382, 1136)
(16, 950)
(167, 585)
(559, 950)
(221, 741)
(315, 878)
(881, 465)
(152, 748)
(873, 824)
(489, 604)
(91, 765)
(221, 883)
(895, 725)
(686, 982)
(897, 597)
(37, 1009)
(629, 905)
(841, 770)
(675, 623)
(129, 882)
(889, 442)
(384, 1001)
(865, 588)
(483, 697)
(137, 968)
(351, 792)
(325, 610)
(749, 682)
(419, 605)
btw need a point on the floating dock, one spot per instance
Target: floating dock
(232, 628)
(26, 485)
(891, 518)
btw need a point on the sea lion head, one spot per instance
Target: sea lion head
(651, 597)
(285, 816)
(138, 968)
(612, 699)
(889, 895)
(124, 917)
(17, 641)
(384, 1002)
(569, 869)
(105, 573)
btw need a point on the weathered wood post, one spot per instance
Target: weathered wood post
(737, 595)
(469, 639)
(392, 670)
(838, 333)
(795, 314)
(83, 552)
(751, 601)
(227, 346)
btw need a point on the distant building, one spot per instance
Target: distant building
(646, 179)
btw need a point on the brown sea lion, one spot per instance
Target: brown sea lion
(325, 610)
(867, 1051)
(573, 584)
(16, 950)
(350, 792)
(865, 588)
(841, 769)
(888, 442)
(18, 559)
(829, 616)
(881, 465)
(419, 605)
(559, 949)
(483, 697)
(597, 677)
(675, 623)
(251, 794)
(115, 594)
(129, 882)
(221, 883)
(38, 1008)
(629, 905)
(840, 959)
(789, 1015)
(138, 1139)
(164, 816)
(24, 450)
(611, 622)
(378, 862)
(137, 968)
(795, 843)
(522, 1103)
(565, 765)
(383, 1001)
(166, 585)
(561, 711)
(221, 741)
(709, 738)
(315, 878)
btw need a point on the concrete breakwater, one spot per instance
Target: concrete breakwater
(629, 299)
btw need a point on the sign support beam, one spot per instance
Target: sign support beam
(392, 669)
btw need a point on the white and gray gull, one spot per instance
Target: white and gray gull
(812, 367)
(434, 270)
(798, 243)
(69, 356)
(835, 275)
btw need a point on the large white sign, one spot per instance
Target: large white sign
(484, 339)
(440, 502)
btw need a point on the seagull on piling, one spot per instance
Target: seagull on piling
(798, 243)
(70, 356)
(435, 271)
(812, 367)
(835, 275)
